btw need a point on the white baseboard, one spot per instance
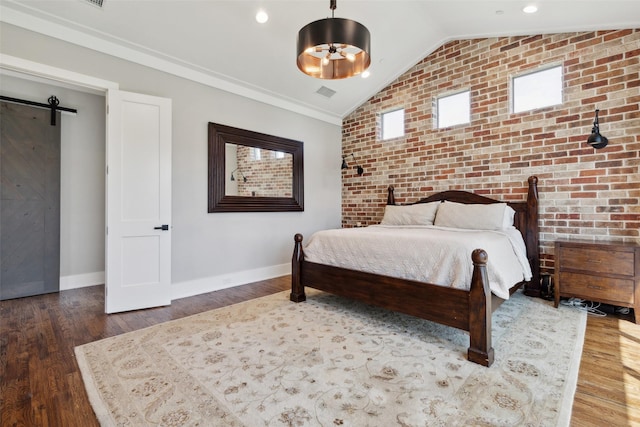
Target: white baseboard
(190, 288)
(81, 280)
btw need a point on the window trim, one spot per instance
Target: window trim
(404, 123)
(512, 87)
(436, 108)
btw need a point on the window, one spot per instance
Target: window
(538, 89)
(453, 109)
(393, 124)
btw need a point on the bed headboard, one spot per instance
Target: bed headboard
(526, 220)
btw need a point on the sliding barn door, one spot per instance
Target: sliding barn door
(29, 201)
(138, 252)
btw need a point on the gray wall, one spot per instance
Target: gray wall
(211, 251)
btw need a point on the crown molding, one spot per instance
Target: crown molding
(79, 38)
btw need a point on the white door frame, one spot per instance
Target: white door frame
(38, 70)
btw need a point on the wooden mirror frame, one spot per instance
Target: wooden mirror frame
(219, 201)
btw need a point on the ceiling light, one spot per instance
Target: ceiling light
(262, 16)
(333, 48)
(365, 74)
(530, 9)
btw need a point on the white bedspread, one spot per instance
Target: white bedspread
(437, 255)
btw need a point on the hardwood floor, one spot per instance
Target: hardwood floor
(608, 392)
(40, 384)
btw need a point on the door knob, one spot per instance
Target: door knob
(163, 227)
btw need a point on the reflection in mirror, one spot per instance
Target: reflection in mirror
(257, 172)
(254, 172)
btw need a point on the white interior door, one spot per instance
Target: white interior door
(138, 240)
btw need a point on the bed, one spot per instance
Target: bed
(468, 309)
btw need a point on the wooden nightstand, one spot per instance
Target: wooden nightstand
(603, 272)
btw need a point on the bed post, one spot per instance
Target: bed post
(532, 288)
(391, 199)
(297, 288)
(480, 350)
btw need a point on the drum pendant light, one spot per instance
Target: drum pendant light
(333, 48)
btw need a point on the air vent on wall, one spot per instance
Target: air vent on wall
(325, 91)
(97, 3)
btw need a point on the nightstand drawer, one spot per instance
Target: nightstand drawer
(597, 288)
(606, 272)
(598, 261)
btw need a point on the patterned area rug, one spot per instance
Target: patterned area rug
(335, 362)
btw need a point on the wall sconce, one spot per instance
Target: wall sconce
(233, 178)
(359, 168)
(595, 139)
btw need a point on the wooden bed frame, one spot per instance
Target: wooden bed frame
(467, 310)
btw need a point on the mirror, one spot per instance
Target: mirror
(254, 172)
(258, 172)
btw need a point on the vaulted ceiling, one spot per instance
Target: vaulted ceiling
(219, 43)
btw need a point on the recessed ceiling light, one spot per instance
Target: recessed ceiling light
(262, 16)
(365, 74)
(530, 9)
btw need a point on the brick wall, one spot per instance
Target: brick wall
(583, 191)
(268, 175)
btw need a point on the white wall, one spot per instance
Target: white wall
(212, 251)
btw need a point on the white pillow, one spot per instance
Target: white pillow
(418, 214)
(473, 216)
(509, 215)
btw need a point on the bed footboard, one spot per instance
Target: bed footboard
(466, 310)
